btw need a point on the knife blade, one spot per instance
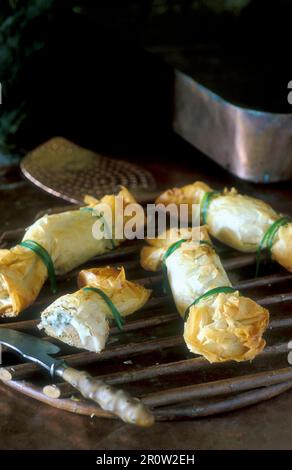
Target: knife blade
(31, 348)
(118, 402)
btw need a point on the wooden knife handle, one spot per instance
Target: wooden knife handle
(129, 409)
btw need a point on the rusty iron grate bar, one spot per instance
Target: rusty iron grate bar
(150, 358)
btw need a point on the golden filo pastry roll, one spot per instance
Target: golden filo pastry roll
(220, 324)
(67, 240)
(82, 319)
(240, 221)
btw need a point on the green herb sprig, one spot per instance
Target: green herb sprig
(209, 293)
(42, 253)
(207, 198)
(171, 249)
(116, 314)
(268, 240)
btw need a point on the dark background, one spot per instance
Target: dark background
(91, 70)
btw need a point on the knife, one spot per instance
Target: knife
(129, 409)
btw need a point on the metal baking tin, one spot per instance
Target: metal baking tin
(253, 145)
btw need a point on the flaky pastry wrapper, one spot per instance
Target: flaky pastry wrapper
(237, 220)
(82, 319)
(222, 327)
(69, 240)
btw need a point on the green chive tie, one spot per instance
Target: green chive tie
(268, 240)
(116, 314)
(209, 293)
(207, 198)
(42, 253)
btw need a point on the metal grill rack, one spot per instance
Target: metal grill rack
(150, 359)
